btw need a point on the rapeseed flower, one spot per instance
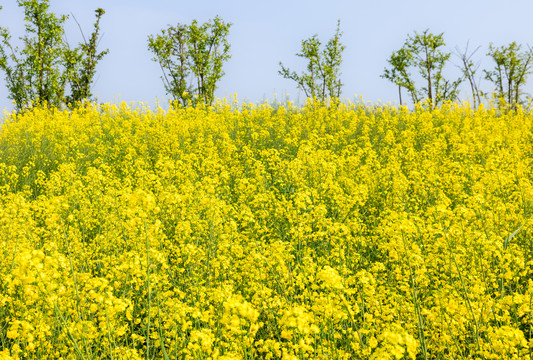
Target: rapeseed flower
(251, 231)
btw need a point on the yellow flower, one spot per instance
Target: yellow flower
(251, 230)
(330, 278)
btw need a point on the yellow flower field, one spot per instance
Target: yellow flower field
(265, 232)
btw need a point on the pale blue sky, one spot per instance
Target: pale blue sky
(267, 32)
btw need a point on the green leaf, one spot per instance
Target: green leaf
(506, 241)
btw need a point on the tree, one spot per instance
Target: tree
(41, 72)
(191, 59)
(323, 76)
(400, 62)
(469, 70)
(81, 63)
(423, 52)
(510, 72)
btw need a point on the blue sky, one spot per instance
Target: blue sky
(267, 32)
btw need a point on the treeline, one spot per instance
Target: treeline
(48, 70)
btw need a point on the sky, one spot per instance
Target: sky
(263, 33)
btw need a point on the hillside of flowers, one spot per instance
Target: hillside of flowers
(266, 232)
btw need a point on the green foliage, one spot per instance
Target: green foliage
(34, 73)
(81, 64)
(510, 72)
(423, 52)
(322, 79)
(191, 59)
(45, 67)
(399, 73)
